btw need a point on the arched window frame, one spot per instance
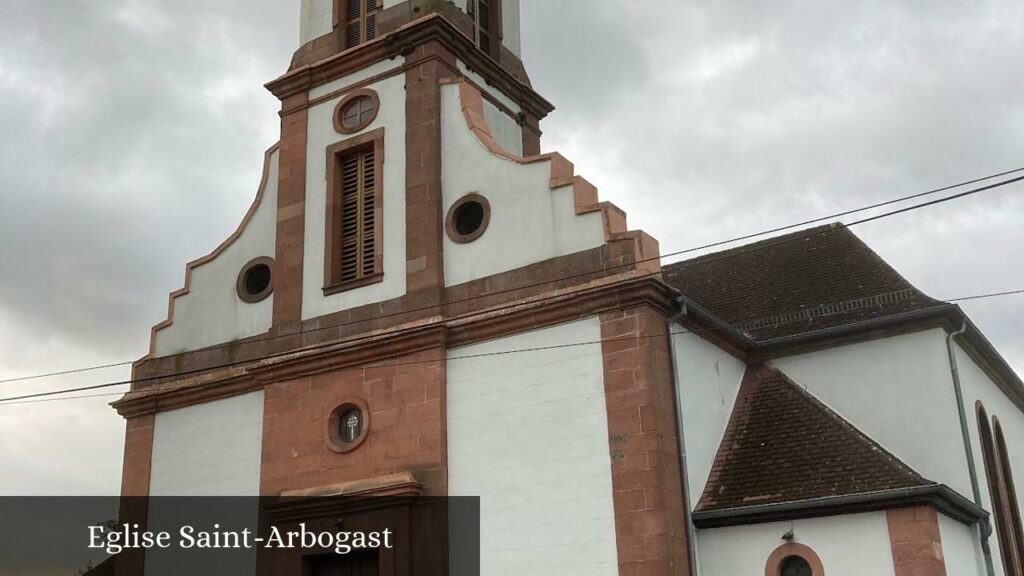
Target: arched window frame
(774, 565)
(1009, 488)
(1000, 493)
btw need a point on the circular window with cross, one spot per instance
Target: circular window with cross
(348, 426)
(356, 111)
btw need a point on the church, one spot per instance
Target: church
(421, 303)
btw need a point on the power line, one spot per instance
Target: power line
(981, 296)
(722, 256)
(44, 396)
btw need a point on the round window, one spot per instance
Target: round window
(348, 426)
(356, 111)
(256, 280)
(468, 218)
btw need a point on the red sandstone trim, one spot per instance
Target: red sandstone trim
(402, 41)
(562, 174)
(406, 431)
(339, 110)
(332, 240)
(212, 255)
(291, 213)
(398, 484)
(334, 443)
(650, 522)
(774, 565)
(138, 455)
(916, 542)
(548, 309)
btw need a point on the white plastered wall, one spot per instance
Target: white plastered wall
(899, 392)
(978, 386)
(708, 379)
(321, 134)
(316, 18)
(852, 545)
(210, 449)
(961, 548)
(510, 19)
(211, 312)
(529, 223)
(528, 433)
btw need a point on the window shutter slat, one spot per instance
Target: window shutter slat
(358, 216)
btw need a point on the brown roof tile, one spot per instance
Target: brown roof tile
(809, 280)
(783, 445)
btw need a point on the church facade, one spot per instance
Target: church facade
(420, 302)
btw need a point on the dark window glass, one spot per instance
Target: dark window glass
(350, 425)
(468, 218)
(257, 279)
(357, 112)
(795, 566)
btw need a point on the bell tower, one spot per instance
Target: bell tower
(407, 223)
(371, 72)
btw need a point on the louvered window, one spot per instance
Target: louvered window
(358, 179)
(359, 17)
(354, 213)
(486, 24)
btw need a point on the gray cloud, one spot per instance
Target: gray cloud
(135, 130)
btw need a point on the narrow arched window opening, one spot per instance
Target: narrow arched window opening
(1005, 513)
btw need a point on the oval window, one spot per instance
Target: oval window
(256, 280)
(468, 218)
(356, 111)
(348, 426)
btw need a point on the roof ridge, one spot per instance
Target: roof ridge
(760, 243)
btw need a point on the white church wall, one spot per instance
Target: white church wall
(316, 18)
(512, 38)
(899, 392)
(961, 548)
(529, 222)
(481, 82)
(708, 380)
(978, 386)
(505, 130)
(321, 134)
(528, 433)
(852, 545)
(211, 449)
(211, 312)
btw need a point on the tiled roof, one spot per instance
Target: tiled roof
(783, 445)
(788, 285)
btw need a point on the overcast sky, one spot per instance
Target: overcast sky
(133, 134)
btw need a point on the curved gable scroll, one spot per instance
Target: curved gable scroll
(201, 291)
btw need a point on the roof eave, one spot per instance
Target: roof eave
(937, 496)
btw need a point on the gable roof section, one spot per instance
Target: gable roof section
(809, 280)
(782, 445)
